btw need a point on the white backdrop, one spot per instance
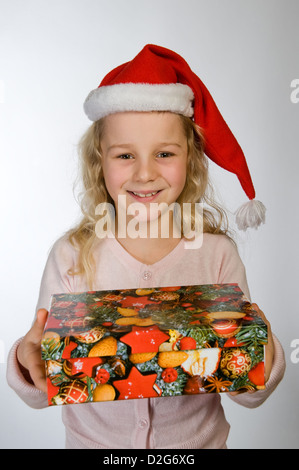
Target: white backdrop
(51, 55)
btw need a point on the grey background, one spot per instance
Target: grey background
(51, 55)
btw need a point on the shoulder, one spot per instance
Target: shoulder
(218, 243)
(219, 259)
(63, 251)
(222, 252)
(213, 247)
(217, 250)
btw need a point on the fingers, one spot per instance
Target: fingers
(38, 376)
(259, 311)
(269, 347)
(263, 317)
(269, 350)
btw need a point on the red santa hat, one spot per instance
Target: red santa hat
(158, 79)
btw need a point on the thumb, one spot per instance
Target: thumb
(39, 324)
(41, 317)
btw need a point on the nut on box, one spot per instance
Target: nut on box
(145, 343)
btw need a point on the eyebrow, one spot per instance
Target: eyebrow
(161, 144)
(118, 146)
(168, 144)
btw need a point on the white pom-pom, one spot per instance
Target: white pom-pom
(250, 215)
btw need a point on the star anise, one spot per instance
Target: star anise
(217, 385)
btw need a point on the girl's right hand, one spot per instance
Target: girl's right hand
(29, 351)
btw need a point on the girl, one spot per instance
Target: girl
(153, 121)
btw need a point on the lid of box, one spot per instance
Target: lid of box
(134, 321)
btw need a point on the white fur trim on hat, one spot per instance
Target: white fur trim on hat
(174, 97)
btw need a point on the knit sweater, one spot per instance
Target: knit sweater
(183, 422)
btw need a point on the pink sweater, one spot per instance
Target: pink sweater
(184, 422)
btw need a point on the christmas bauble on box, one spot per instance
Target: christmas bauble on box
(235, 362)
(71, 392)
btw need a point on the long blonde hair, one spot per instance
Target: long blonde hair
(197, 189)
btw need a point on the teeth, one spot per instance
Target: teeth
(145, 195)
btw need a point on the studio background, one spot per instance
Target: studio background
(51, 55)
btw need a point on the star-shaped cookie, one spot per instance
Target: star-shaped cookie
(144, 339)
(137, 385)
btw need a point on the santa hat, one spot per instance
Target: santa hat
(158, 79)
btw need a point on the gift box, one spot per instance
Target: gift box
(145, 343)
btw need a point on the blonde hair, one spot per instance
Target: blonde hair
(197, 189)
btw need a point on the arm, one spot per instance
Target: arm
(25, 369)
(233, 270)
(20, 381)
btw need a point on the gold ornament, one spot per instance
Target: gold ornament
(235, 362)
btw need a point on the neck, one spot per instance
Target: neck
(149, 241)
(148, 251)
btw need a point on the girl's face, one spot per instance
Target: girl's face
(144, 157)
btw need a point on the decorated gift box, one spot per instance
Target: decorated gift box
(141, 343)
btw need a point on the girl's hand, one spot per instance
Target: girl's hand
(269, 349)
(29, 351)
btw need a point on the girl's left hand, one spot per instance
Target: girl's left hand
(269, 349)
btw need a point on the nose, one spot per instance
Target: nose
(145, 170)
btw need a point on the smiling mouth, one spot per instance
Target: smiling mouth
(143, 195)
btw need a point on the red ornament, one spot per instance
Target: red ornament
(257, 374)
(71, 393)
(136, 385)
(225, 328)
(102, 376)
(169, 375)
(187, 343)
(232, 342)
